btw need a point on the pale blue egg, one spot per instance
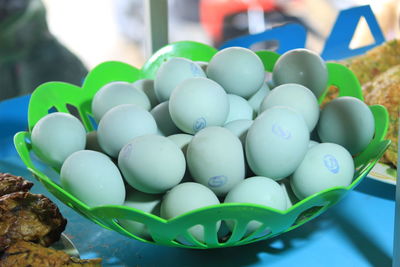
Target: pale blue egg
(277, 142)
(93, 178)
(152, 163)
(186, 197)
(181, 140)
(117, 93)
(239, 128)
(239, 109)
(312, 143)
(347, 121)
(291, 198)
(198, 103)
(256, 99)
(163, 119)
(215, 159)
(121, 124)
(297, 97)
(304, 67)
(147, 87)
(238, 70)
(56, 136)
(257, 190)
(172, 73)
(324, 166)
(148, 203)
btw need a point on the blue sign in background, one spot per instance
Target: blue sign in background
(291, 36)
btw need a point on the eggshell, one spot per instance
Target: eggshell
(147, 87)
(148, 203)
(121, 124)
(215, 159)
(304, 67)
(117, 93)
(297, 97)
(186, 197)
(256, 99)
(173, 72)
(152, 163)
(238, 70)
(239, 109)
(239, 128)
(163, 119)
(291, 198)
(182, 141)
(312, 143)
(92, 178)
(324, 166)
(347, 121)
(257, 190)
(277, 142)
(56, 136)
(198, 103)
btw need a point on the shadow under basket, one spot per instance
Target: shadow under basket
(64, 97)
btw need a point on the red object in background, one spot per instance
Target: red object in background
(213, 13)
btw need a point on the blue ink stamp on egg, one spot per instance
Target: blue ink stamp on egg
(280, 132)
(217, 181)
(199, 124)
(126, 151)
(331, 163)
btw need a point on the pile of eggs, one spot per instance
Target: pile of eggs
(205, 133)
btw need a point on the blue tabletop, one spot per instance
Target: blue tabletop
(358, 231)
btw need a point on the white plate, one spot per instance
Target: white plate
(383, 173)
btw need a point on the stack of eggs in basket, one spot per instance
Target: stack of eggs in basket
(203, 133)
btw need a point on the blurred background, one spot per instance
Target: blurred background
(60, 40)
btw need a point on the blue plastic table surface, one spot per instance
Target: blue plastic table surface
(356, 232)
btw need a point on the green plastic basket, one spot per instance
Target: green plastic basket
(61, 95)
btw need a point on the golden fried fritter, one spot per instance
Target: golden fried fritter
(10, 183)
(385, 90)
(376, 61)
(29, 217)
(24, 254)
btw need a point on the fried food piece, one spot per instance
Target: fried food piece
(10, 183)
(369, 65)
(376, 61)
(385, 90)
(29, 217)
(25, 254)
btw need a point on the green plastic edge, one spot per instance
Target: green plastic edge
(59, 94)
